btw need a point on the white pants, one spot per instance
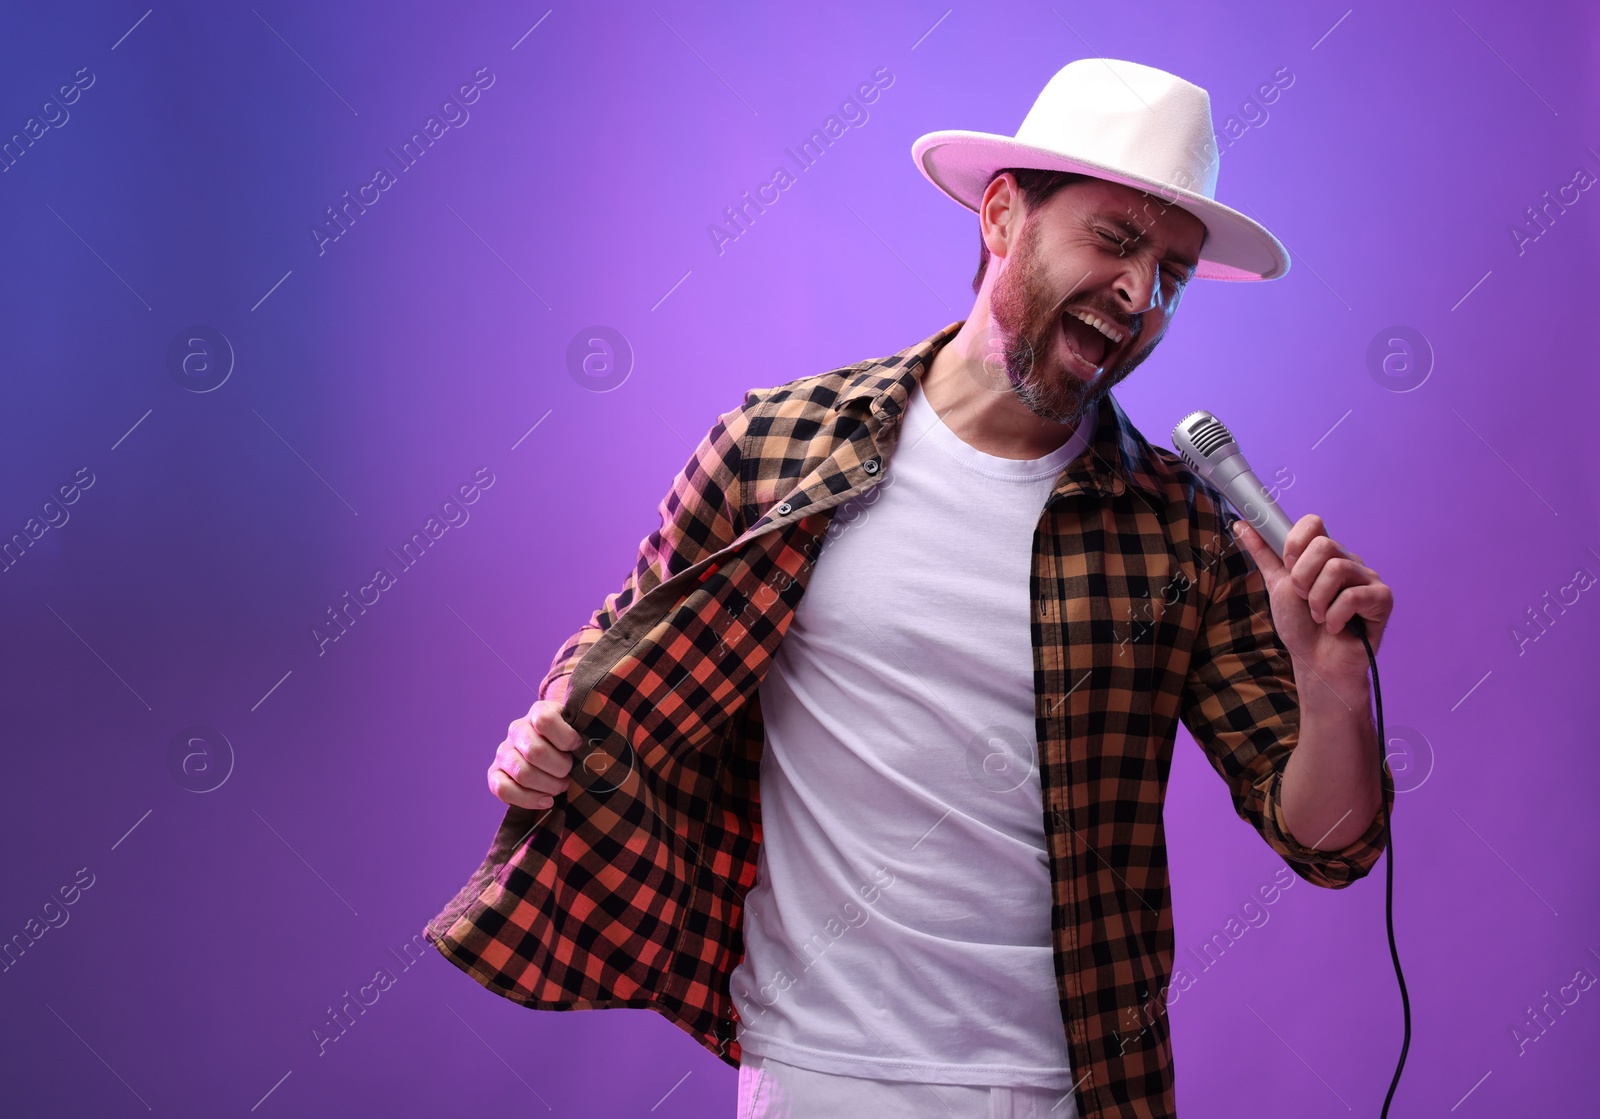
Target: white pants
(770, 1089)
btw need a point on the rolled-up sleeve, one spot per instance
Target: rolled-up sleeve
(1241, 705)
(698, 516)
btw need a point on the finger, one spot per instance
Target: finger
(528, 738)
(1271, 566)
(543, 759)
(535, 775)
(520, 736)
(1305, 571)
(546, 768)
(1305, 530)
(539, 755)
(507, 790)
(1336, 575)
(1373, 601)
(547, 721)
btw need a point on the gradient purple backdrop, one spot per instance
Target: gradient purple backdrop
(372, 378)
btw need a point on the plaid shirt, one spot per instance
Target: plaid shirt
(629, 891)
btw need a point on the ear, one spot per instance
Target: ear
(1000, 214)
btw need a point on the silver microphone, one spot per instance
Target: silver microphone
(1211, 452)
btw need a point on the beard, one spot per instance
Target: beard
(1026, 318)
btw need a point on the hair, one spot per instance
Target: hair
(1037, 186)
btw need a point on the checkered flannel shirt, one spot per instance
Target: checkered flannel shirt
(629, 891)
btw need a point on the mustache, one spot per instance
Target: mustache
(1133, 324)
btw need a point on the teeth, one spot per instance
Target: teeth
(1116, 336)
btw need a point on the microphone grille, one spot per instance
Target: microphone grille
(1204, 433)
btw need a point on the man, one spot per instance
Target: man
(859, 777)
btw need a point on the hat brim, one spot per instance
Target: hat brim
(961, 163)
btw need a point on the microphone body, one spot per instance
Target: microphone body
(1210, 450)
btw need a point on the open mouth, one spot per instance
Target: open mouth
(1085, 343)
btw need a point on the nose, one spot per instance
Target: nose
(1138, 283)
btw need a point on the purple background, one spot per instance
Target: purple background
(428, 340)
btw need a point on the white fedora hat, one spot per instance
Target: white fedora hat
(1126, 123)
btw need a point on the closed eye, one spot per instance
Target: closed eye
(1179, 279)
(1122, 242)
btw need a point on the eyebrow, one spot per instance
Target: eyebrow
(1138, 234)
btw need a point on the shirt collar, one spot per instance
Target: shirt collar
(1118, 454)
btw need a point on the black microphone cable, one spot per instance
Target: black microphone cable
(1358, 627)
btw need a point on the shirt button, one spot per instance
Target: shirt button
(872, 466)
(785, 509)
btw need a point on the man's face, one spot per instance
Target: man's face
(1097, 249)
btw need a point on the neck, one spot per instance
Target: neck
(975, 399)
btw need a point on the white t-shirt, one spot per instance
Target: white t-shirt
(899, 926)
